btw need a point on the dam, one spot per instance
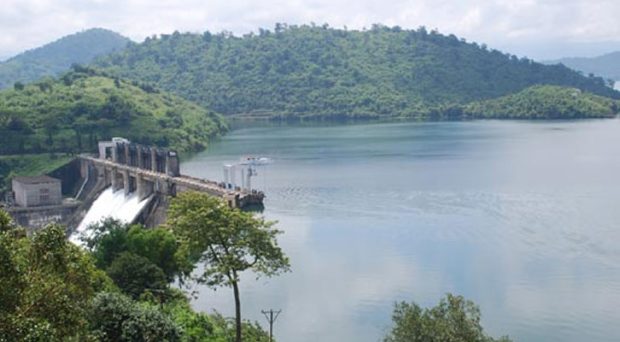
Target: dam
(133, 183)
(126, 181)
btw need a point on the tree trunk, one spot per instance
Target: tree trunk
(237, 310)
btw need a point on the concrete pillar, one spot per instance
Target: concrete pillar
(114, 154)
(144, 188)
(167, 164)
(114, 180)
(139, 152)
(153, 160)
(107, 176)
(172, 164)
(127, 155)
(126, 184)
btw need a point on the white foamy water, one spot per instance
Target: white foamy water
(110, 204)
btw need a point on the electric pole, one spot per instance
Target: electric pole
(271, 319)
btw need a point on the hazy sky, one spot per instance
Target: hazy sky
(539, 29)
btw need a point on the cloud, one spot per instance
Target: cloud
(516, 25)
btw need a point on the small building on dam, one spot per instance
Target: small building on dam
(36, 191)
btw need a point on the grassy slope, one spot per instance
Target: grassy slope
(99, 107)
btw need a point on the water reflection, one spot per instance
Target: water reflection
(520, 217)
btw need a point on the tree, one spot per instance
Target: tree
(228, 240)
(110, 238)
(6, 222)
(114, 317)
(46, 285)
(135, 274)
(453, 320)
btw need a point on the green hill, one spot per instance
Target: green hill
(544, 102)
(607, 66)
(320, 71)
(75, 111)
(56, 57)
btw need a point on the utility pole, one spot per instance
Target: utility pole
(271, 319)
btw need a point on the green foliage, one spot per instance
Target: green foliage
(6, 222)
(545, 102)
(109, 238)
(135, 274)
(56, 57)
(252, 331)
(454, 319)
(71, 114)
(229, 241)
(160, 247)
(319, 71)
(46, 284)
(202, 327)
(52, 291)
(114, 317)
(139, 260)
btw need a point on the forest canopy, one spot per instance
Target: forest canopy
(309, 70)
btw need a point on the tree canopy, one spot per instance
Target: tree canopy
(454, 319)
(311, 70)
(47, 283)
(53, 290)
(227, 240)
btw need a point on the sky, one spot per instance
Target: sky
(543, 29)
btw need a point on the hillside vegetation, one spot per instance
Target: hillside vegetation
(75, 111)
(56, 57)
(321, 71)
(544, 102)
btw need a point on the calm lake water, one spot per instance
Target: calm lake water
(523, 218)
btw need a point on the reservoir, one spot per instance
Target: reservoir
(521, 217)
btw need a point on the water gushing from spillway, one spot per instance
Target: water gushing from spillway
(110, 204)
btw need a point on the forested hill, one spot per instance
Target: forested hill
(72, 113)
(311, 70)
(607, 65)
(544, 102)
(56, 57)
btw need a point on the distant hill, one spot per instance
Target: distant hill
(544, 102)
(72, 113)
(56, 57)
(301, 71)
(607, 66)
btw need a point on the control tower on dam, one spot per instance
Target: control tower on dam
(151, 174)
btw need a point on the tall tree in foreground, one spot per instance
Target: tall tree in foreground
(454, 319)
(227, 240)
